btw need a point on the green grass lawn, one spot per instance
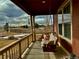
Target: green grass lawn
(5, 42)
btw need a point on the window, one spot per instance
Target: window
(67, 21)
(60, 23)
(65, 29)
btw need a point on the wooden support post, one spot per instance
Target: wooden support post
(33, 28)
(31, 25)
(34, 33)
(55, 23)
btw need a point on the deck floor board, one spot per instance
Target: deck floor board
(37, 53)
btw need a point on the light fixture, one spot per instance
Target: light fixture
(43, 1)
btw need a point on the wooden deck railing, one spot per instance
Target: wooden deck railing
(16, 49)
(66, 43)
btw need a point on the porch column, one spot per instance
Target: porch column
(55, 23)
(75, 27)
(31, 26)
(34, 33)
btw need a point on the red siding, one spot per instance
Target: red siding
(75, 26)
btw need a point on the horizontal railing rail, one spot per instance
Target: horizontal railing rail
(16, 49)
(65, 43)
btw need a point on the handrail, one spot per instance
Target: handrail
(65, 43)
(15, 49)
(68, 40)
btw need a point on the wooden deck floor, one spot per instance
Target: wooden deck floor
(37, 53)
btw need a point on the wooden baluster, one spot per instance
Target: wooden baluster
(12, 53)
(20, 50)
(31, 37)
(2, 56)
(28, 41)
(16, 52)
(9, 54)
(25, 42)
(6, 55)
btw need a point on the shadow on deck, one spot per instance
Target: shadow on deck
(37, 53)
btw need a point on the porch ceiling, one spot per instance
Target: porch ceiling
(39, 7)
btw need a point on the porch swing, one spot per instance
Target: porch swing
(53, 43)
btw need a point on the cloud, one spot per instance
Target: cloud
(3, 19)
(3, 4)
(10, 9)
(10, 13)
(21, 20)
(24, 16)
